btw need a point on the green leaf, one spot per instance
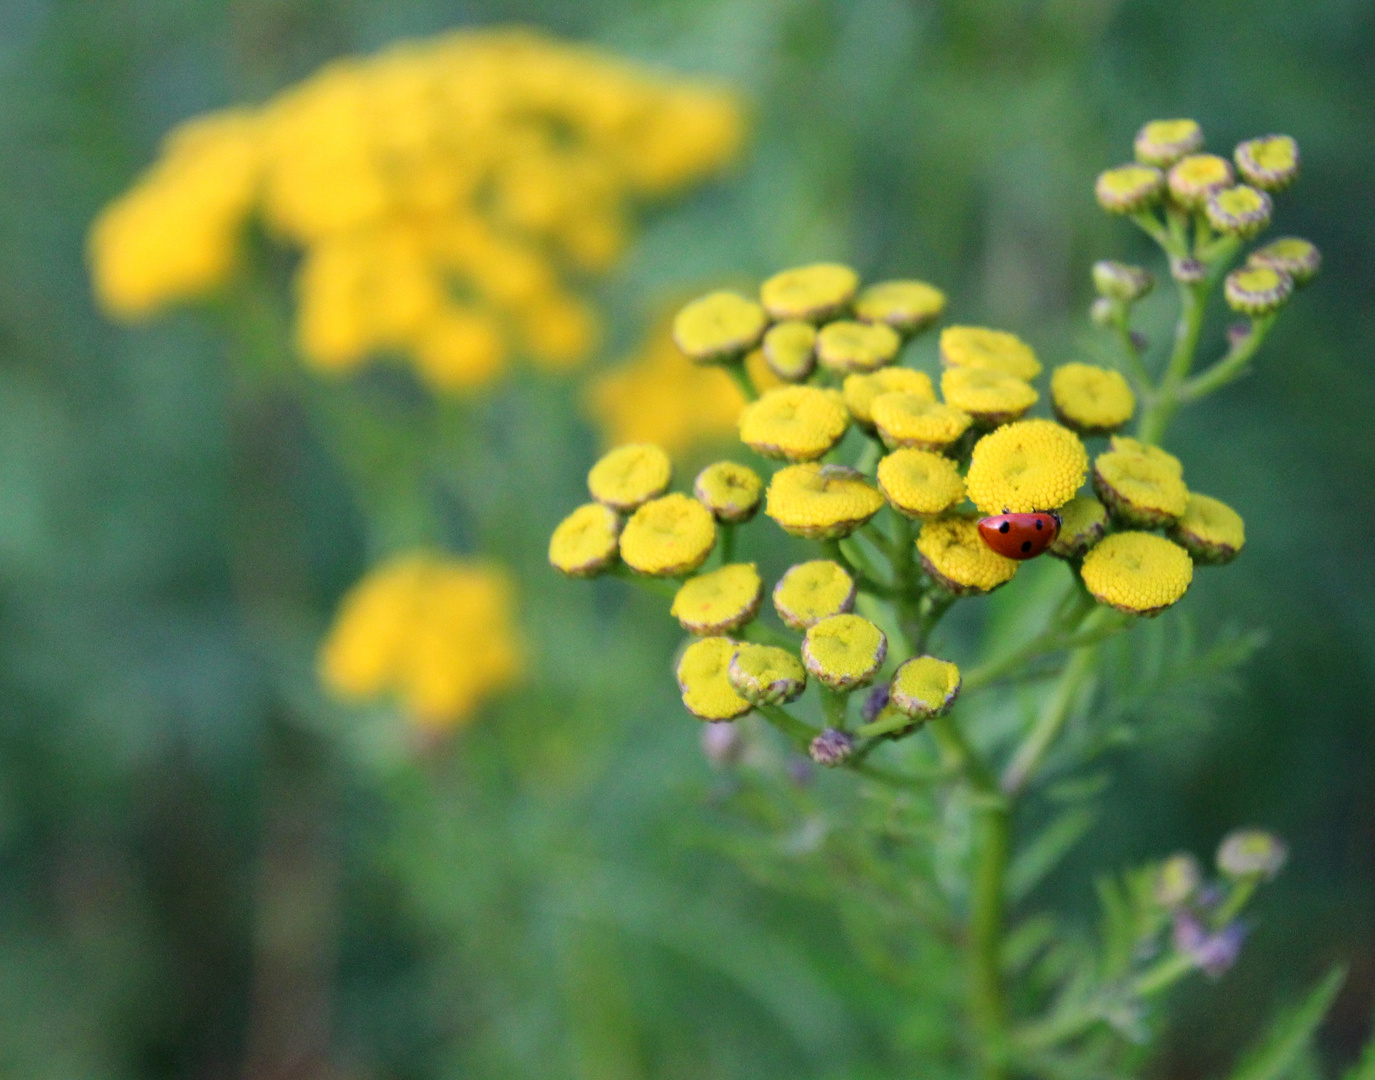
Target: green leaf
(1364, 1069)
(1291, 1034)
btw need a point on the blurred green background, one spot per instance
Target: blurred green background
(205, 872)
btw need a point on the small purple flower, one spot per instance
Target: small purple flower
(874, 703)
(1214, 953)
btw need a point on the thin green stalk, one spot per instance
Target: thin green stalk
(987, 1000)
(742, 379)
(1137, 366)
(1240, 896)
(835, 705)
(1231, 366)
(931, 610)
(798, 733)
(660, 586)
(1050, 723)
(727, 543)
(1052, 638)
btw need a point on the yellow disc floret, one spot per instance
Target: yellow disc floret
(912, 419)
(1271, 162)
(992, 350)
(919, 483)
(1210, 530)
(1137, 572)
(1129, 188)
(730, 491)
(723, 600)
(1027, 466)
(990, 397)
(1192, 179)
(812, 591)
(790, 350)
(846, 345)
(719, 327)
(956, 558)
(924, 687)
(629, 476)
(844, 651)
(1238, 211)
(812, 293)
(767, 675)
(796, 423)
(1141, 485)
(1163, 142)
(668, 537)
(860, 390)
(702, 678)
(1083, 521)
(821, 502)
(585, 542)
(1091, 400)
(1257, 289)
(906, 306)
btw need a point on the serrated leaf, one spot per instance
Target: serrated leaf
(1291, 1033)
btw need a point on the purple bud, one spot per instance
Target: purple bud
(1187, 271)
(874, 703)
(1237, 332)
(832, 747)
(1213, 953)
(722, 744)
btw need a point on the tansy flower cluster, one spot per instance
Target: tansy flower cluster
(445, 196)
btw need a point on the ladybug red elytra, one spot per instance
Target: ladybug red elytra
(1020, 536)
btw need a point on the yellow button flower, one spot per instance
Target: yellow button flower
(730, 491)
(668, 537)
(990, 397)
(846, 345)
(1141, 485)
(795, 423)
(844, 651)
(1257, 289)
(1027, 466)
(1210, 530)
(812, 591)
(1091, 400)
(924, 687)
(1298, 258)
(990, 350)
(1271, 162)
(955, 557)
(586, 541)
(1137, 572)
(907, 306)
(919, 483)
(911, 419)
(1129, 188)
(719, 328)
(790, 350)
(767, 675)
(1083, 521)
(1163, 142)
(630, 476)
(1192, 179)
(860, 390)
(723, 600)
(702, 678)
(811, 293)
(1238, 211)
(821, 502)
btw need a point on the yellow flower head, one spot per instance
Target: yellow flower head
(919, 483)
(1163, 142)
(846, 345)
(730, 491)
(1129, 188)
(955, 557)
(1136, 572)
(924, 687)
(1209, 530)
(586, 541)
(1091, 400)
(795, 423)
(1027, 466)
(988, 350)
(630, 476)
(668, 537)
(703, 679)
(433, 632)
(719, 328)
(767, 675)
(821, 502)
(1141, 485)
(1271, 163)
(844, 651)
(1192, 179)
(1257, 289)
(860, 390)
(911, 419)
(1298, 258)
(718, 602)
(907, 306)
(812, 591)
(790, 350)
(990, 397)
(812, 293)
(1083, 521)
(1238, 211)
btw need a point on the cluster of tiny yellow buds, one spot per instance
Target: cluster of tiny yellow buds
(1209, 530)
(1091, 400)
(1083, 522)
(1129, 189)
(434, 633)
(1137, 572)
(1027, 466)
(720, 601)
(844, 651)
(495, 166)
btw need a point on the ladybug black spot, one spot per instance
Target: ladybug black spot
(1004, 527)
(1038, 524)
(1026, 545)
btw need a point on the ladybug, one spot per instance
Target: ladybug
(1020, 536)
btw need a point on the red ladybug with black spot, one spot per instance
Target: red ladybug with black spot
(1020, 536)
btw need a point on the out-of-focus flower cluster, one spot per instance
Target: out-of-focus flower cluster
(446, 197)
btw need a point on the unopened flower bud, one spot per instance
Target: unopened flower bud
(832, 747)
(1257, 290)
(1238, 211)
(924, 687)
(1163, 142)
(874, 703)
(1213, 953)
(1270, 162)
(1298, 258)
(766, 675)
(1103, 312)
(1251, 853)
(1129, 188)
(1187, 271)
(1237, 332)
(722, 744)
(1177, 880)
(1120, 281)
(1192, 179)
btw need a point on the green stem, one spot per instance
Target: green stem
(932, 609)
(659, 586)
(1053, 637)
(742, 379)
(1050, 723)
(727, 543)
(761, 633)
(1135, 363)
(797, 732)
(835, 705)
(1241, 894)
(987, 1002)
(1231, 366)
(857, 567)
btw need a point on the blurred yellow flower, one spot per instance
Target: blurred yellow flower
(441, 193)
(434, 632)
